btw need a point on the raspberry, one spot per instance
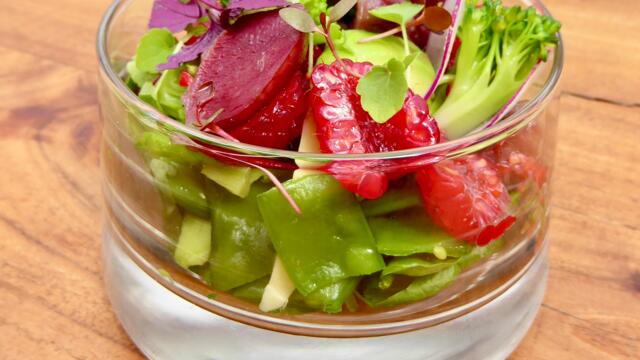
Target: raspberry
(466, 197)
(344, 127)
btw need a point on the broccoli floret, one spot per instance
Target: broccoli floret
(499, 48)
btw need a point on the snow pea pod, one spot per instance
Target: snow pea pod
(416, 266)
(182, 184)
(412, 232)
(241, 251)
(330, 298)
(328, 242)
(395, 199)
(418, 289)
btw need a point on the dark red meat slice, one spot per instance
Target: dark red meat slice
(343, 127)
(280, 121)
(466, 197)
(245, 68)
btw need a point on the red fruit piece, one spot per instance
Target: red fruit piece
(343, 127)
(466, 197)
(519, 158)
(279, 122)
(185, 78)
(244, 69)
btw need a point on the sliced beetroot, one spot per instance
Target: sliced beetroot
(280, 122)
(466, 197)
(244, 69)
(343, 127)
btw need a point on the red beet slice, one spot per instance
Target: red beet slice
(244, 69)
(280, 121)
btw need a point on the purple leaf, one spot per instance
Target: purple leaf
(245, 4)
(173, 14)
(191, 52)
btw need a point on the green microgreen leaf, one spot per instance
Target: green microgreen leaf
(339, 10)
(397, 13)
(383, 89)
(400, 14)
(409, 59)
(154, 49)
(299, 20)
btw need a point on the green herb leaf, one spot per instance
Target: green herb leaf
(137, 76)
(154, 49)
(339, 10)
(314, 7)
(383, 89)
(397, 13)
(299, 20)
(409, 59)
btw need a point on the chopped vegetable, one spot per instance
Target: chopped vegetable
(236, 179)
(194, 243)
(241, 251)
(278, 290)
(409, 233)
(341, 245)
(499, 48)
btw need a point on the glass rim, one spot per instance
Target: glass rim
(509, 122)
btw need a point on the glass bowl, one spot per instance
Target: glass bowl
(171, 312)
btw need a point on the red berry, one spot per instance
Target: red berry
(517, 158)
(344, 127)
(185, 78)
(466, 197)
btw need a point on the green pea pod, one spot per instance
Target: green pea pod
(241, 251)
(480, 252)
(330, 298)
(328, 242)
(418, 289)
(416, 266)
(182, 184)
(395, 199)
(411, 232)
(252, 291)
(157, 144)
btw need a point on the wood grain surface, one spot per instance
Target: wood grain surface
(52, 301)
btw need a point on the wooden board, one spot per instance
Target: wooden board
(53, 303)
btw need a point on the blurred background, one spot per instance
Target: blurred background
(52, 302)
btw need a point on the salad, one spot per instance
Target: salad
(346, 77)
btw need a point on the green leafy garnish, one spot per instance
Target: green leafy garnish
(339, 10)
(314, 8)
(400, 14)
(165, 94)
(397, 13)
(299, 20)
(154, 49)
(383, 89)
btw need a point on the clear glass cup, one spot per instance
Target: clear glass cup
(170, 313)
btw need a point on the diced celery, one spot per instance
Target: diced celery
(194, 243)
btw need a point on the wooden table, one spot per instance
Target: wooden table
(52, 301)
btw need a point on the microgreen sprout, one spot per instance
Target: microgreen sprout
(435, 18)
(300, 20)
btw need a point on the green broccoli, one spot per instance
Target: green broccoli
(499, 48)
